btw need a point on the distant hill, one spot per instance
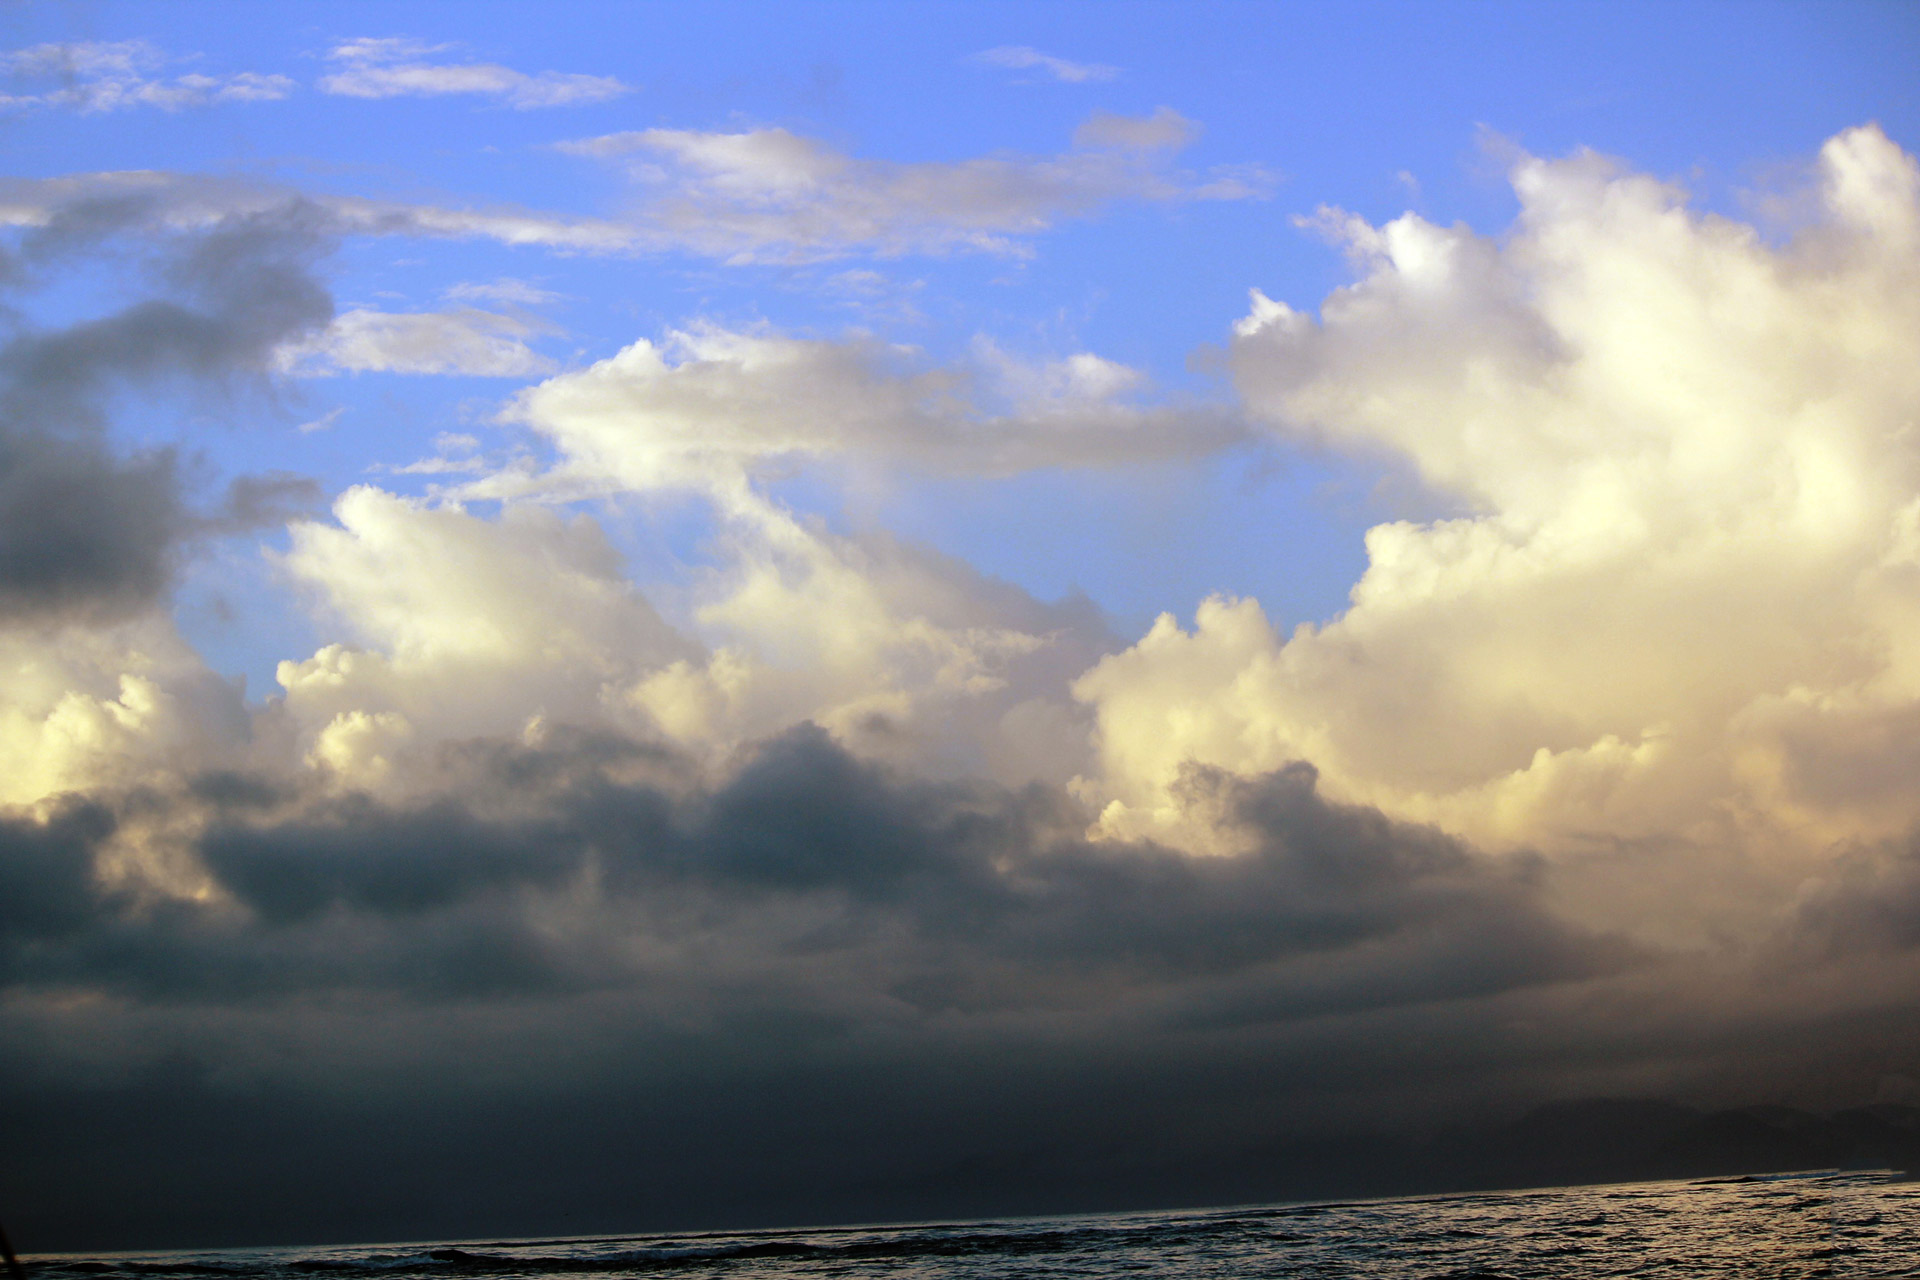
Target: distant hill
(1631, 1139)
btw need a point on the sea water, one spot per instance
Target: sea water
(1791, 1225)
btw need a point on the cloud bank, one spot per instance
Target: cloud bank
(851, 882)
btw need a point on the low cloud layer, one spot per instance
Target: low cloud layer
(801, 866)
(576, 920)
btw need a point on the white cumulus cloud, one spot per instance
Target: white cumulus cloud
(1682, 610)
(458, 625)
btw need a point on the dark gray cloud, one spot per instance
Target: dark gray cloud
(86, 530)
(47, 883)
(809, 865)
(81, 530)
(1866, 903)
(575, 987)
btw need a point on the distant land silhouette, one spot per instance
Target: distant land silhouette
(277, 1178)
(1633, 1140)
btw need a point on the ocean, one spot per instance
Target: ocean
(1781, 1225)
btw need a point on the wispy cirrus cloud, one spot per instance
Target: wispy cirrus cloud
(1021, 57)
(506, 291)
(773, 195)
(758, 196)
(397, 68)
(97, 76)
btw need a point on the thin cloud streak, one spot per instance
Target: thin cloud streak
(1020, 57)
(769, 195)
(391, 68)
(763, 197)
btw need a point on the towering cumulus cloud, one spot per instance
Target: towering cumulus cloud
(1677, 608)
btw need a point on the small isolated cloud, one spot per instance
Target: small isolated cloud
(322, 423)
(467, 342)
(395, 68)
(95, 76)
(1021, 57)
(505, 291)
(455, 453)
(1164, 130)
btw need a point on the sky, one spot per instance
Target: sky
(626, 616)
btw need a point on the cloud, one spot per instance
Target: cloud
(1683, 571)
(1020, 57)
(101, 76)
(764, 196)
(90, 704)
(176, 202)
(710, 406)
(1166, 129)
(505, 291)
(468, 343)
(46, 872)
(907, 655)
(849, 866)
(96, 686)
(1865, 903)
(589, 925)
(983, 898)
(458, 626)
(84, 530)
(772, 195)
(390, 68)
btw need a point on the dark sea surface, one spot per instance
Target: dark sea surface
(1808, 1224)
